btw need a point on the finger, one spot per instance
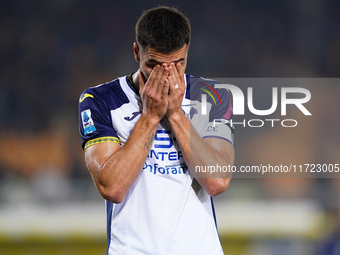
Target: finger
(165, 90)
(177, 81)
(163, 77)
(157, 77)
(171, 84)
(152, 78)
(180, 72)
(175, 75)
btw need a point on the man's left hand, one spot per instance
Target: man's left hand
(177, 90)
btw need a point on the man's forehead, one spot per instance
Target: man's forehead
(155, 56)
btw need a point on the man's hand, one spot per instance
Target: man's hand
(112, 173)
(154, 92)
(177, 90)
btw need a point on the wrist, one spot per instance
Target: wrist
(177, 117)
(149, 120)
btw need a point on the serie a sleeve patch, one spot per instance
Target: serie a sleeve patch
(87, 120)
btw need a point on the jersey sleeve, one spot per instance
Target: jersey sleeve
(95, 124)
(211, 112)
(220, 116)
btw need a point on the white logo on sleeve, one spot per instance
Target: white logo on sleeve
(88, 124)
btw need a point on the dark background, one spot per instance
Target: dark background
(52, 50)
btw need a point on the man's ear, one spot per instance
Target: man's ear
(136, 51)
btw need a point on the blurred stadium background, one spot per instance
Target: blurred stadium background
(52, 50)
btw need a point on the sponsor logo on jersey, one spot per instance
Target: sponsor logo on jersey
(134, 115)
(87, 120)
(191, 113)
(85, 96)
(165, 170)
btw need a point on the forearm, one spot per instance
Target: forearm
(198, 152)
(115, 175)
(114, 169)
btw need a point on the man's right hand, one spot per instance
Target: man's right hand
(109, 163)
(154, 92)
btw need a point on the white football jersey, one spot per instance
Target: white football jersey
(166, 211)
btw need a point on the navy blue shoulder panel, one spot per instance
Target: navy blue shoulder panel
(110, 94)
(197, 84)
(95, 105)
(218, 98)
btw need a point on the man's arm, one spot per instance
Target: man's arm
(114, 168)
(197, 151)
(203, 152)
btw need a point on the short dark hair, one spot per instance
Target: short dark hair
(164, 29)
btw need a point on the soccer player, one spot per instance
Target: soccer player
(143, 136)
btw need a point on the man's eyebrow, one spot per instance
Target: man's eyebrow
(179, 60)
(154, 61)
